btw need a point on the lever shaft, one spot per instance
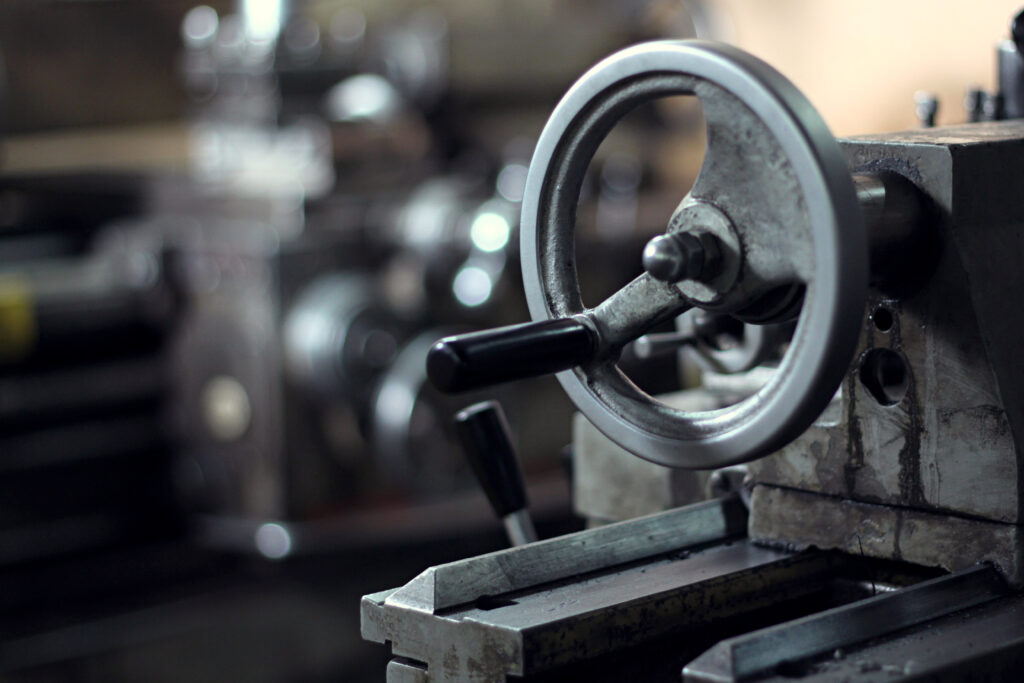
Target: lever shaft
(481, 359)
(484, 434)
(659, 343)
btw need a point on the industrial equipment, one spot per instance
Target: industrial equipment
(875, 531)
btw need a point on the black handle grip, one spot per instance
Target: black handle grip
(484, 434)
(480, 359)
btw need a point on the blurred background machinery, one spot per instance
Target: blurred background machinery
(230, 233)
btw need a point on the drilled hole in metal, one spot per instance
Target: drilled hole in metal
(884, 373)
(883, 319)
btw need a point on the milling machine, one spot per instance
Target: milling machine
(849, 299)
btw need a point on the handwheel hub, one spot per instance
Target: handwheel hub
(706, 221)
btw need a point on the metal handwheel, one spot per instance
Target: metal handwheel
(771, 229)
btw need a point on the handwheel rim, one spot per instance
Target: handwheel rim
(826, 334)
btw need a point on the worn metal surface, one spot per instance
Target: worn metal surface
(553, 625)
(764, 651)
(985, 643)
(774, 171)
(797, 519)
(950, 443)
(517, 611)
(519, 568)
(915, 458)
(401, 670)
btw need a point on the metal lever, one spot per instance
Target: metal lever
(480, 359)
(659, 343)
(484, 434)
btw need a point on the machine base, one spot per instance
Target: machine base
(798, 519)
(686, 591)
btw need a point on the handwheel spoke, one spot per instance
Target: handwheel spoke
(635, 309)
(742, 176)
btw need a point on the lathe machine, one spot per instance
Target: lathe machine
(853, 302)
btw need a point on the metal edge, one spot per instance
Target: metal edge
(761, 652)
(465, 581)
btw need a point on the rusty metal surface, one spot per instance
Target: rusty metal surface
(950, 443)
(797, 519)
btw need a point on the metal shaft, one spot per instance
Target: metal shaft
(519, 527)
(894, 217)
(487, 443)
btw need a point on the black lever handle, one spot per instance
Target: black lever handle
(480, 359)
(484, 434)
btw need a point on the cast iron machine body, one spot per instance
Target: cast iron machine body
(889, 427)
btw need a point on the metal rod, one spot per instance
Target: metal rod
(895, 219)
(519, 527)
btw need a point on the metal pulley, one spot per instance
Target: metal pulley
(773, 230)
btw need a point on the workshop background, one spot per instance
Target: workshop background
(228, 235)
